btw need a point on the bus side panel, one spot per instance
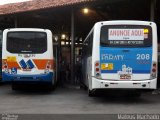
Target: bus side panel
(89, 72)
(84, 71)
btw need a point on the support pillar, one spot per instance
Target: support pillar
(72, 48)
(15, 22)
(152, 10)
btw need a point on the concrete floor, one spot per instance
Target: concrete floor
(73, 101)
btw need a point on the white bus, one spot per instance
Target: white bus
(120, 55)
(27, 57)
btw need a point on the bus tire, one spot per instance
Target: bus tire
(50, 88)
(134, 94)
(81, 86)
(54, 86)
(14, 86)
(137, 94)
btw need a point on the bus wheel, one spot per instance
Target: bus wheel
(137, 94)
(82, 86)
(50, 87)
(91, 93)
(53, 84)
(134, 94)
(14, 86)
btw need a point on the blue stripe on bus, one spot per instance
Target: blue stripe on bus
(23, 64)
(6, 77)
(30, 64)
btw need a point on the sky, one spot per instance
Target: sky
(2, 2)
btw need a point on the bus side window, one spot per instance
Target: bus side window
(87, 46)
(90, 44)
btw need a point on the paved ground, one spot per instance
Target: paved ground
(73, 101)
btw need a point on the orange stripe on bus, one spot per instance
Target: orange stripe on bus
(41, 64)
(11, 64)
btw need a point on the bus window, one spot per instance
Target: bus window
(27, 42)
(126, 36)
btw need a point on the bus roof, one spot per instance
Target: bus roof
(26, 29)
(137, 22)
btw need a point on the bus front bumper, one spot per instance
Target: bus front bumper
(108, 84)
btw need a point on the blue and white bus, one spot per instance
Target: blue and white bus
(120, 55)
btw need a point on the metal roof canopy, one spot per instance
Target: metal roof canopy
(58, 18)
(71, 20)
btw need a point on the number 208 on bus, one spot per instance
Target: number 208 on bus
(120, 54)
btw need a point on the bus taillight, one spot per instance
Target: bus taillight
(97, 64)
(5, 67)
(154, 70)
(97, 69)
(48, 67)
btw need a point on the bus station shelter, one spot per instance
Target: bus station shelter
(71, 20)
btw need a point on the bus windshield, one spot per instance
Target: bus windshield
(126, 36)
(26, 42)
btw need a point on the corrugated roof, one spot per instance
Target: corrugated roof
(36, 5)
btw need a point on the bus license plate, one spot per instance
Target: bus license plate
(125, 77)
